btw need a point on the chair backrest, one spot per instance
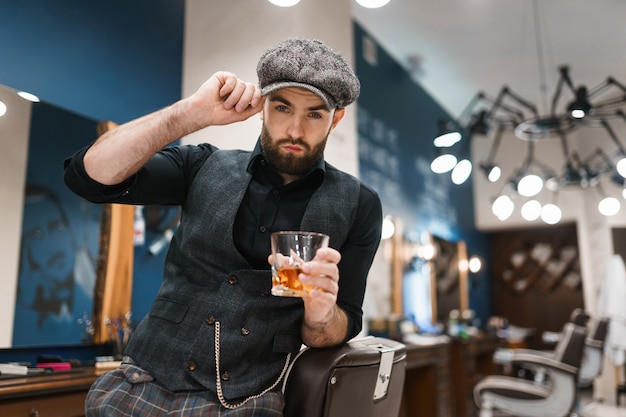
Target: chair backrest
(579, 317)
(569, 350)
(362, 378)
(598, 333)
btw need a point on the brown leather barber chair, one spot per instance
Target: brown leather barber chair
(363, 378)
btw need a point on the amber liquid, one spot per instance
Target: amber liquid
(288, 278)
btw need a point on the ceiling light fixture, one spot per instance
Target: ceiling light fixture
(372, 4)
(284, 3)
(596, 107)
(28, 96)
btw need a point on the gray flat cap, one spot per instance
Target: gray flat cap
(310, 64)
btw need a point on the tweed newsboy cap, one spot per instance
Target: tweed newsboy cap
(310, 64)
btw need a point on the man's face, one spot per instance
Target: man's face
(296, 125)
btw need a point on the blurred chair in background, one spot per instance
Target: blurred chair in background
(554, 396)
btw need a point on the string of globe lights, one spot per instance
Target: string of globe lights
(599, 107)
(370, 4)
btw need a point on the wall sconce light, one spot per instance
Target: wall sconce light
(389, 228)
(474, 264)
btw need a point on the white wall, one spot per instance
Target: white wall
(14, 133)
(231, 35)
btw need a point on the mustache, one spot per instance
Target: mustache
(296, 141)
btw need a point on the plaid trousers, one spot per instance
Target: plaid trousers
(132, 391)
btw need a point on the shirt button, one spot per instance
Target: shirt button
(125, 192)
(191, 365)
(275, 192)
(262, 229)
(232, 280)
(245, 331)
(134, 377)
(210, 320)
(225, 376)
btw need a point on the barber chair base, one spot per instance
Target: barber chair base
(363, 378)
(556, 402)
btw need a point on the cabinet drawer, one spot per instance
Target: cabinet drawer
(71, 404)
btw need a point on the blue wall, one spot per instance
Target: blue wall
(396, 125)
(108, 60)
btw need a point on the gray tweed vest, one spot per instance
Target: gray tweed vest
(208, 285)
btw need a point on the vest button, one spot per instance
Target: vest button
(232, 280)
(262, 229)
(210, 320)
(225, 376)
(275, 191)
(191, 365)
(245, 331)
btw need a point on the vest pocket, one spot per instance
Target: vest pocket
(169, 310)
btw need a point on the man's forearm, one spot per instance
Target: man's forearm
(221, 100)
(119, 153)
(329, 332)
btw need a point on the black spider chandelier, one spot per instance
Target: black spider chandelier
(597, 107)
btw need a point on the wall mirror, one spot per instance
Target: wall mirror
(50, 281)
(430, 278)
(449, 277)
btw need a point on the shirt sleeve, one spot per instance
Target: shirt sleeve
(163, 180)
(357, 255)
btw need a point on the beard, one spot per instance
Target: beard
(288, 163)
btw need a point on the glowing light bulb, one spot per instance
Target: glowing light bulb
(443, 163)
(284, 3)
(372, 4)
(461, 172)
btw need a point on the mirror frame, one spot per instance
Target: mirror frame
(402, 253)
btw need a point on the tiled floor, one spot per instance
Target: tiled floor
(598, 408)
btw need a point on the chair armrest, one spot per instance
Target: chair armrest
(594, 344)
(543, 359)
(525, 352)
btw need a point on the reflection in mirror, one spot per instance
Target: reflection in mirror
(413, 286)
(430, 277)
(418, 295)
(52, 292)
(449, 275)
